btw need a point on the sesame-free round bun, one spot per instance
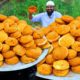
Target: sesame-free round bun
(60, 72)
(26, 39)
(8, 54)
(60, 53)
(76, 69)
(61, 65)
(75, 61)
(34, 53)
(11, 41)
(71, 53)
(44, 69)
(12, 60)
(26, 59)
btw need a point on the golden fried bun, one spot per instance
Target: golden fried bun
(5, 48)
(8, 54)
(11, 41)
(71, 54)
(12, 60)
(76, 46)
(52, 26)
(9, 21)
(16, 34)
(62, 29)
(3, 36)
(26, 59)
(75, 28)
(49, 59)
(2, 17)
(37, 34)
(55, 44)
(40, 42)
(52, 36)
(66, 40)
(31, 47)
(61, 65)
(75, 61)
(27, 30)
(19, 50)
(34, 53)
(26, 39)
(1, 46)
(44, 69)
(1, 26)
(75, 32)
(46, 30)
(60, 53)
(1, 57)
(21, 25)
(59, 21)
(76, 69)
(67, 18)
(22, 22)
(47, 45)
(14, 18)
(30, 44)
(11, 29)
(38, 29)
(6, 27)
(61, 73)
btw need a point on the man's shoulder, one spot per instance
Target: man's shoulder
(39, 15)
(56, 12)
(43, 13)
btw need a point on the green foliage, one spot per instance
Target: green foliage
(20, 7)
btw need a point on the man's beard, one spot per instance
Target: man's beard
(49, 13)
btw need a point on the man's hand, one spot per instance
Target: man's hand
(30, 16)
(32, 10)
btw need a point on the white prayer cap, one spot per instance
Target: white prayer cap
(50, 3)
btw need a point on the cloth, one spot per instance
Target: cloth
(45, 19)
(50, 3)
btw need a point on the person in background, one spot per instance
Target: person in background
(47, 17)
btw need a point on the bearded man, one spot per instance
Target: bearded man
(47, 17)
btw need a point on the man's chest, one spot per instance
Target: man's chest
(48, 19)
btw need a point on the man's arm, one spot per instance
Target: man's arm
(58, 15)
(30, 16)
(36, 18)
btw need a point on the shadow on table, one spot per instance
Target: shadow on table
(25, 74)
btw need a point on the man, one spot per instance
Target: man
(47, 17)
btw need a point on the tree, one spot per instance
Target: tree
(20, 0)
(67, 1)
